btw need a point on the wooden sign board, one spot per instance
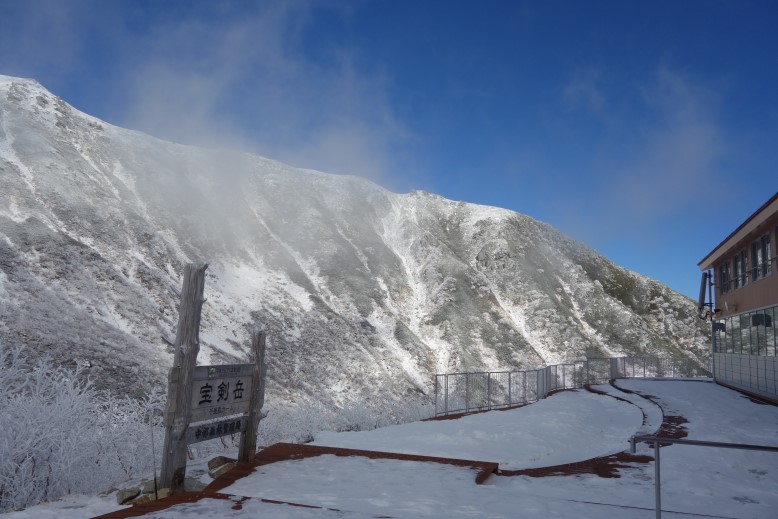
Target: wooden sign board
(222, 371)
(209, 413)
(219, 391)
(208, 431)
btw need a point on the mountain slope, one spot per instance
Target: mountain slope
(365, 293)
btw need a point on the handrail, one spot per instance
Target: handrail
(496, 389)
(664, 440)
(659, 441)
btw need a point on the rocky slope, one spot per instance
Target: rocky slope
(364, 293)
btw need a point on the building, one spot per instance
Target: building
(742, 270)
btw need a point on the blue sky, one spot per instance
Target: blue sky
(646, 130)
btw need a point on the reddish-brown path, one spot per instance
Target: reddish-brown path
(603, 466)
(608, 466)
(285, 452)
(293, 451)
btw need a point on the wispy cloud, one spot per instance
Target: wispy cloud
(222, 74)
(245, 82)
(585, 90)
(677, 156)
(40, 36)
(668, 148)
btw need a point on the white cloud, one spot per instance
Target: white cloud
(662, 152)
(677, 155)
(40, 37)
(585, 90)
(245, 82)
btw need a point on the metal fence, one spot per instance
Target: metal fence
(479, 391)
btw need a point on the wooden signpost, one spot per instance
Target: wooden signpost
(207, 402)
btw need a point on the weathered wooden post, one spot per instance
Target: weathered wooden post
(248, 438)
(207, 402)
(187, 345)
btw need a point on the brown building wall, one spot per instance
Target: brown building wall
(755, 294)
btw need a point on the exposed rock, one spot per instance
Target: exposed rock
(218, 461)
(148, 498)
(148, 486)
(193, 485)
(107, 492)
(215, 473)
(125, 495)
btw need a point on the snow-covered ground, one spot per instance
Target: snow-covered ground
(543, 439)
(565, 427)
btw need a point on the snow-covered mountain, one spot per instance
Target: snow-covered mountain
(363, 292)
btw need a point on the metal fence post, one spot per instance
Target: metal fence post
(510, 388)
(467, 392)
(489, 390)
(524, 386)
(657, 482)
(542, 382)
(445, 382)
(437, 395)
(537, 383)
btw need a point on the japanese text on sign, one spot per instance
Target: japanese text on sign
(220, 391)
(208, 431)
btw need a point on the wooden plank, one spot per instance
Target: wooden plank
(186, 346)
(248, 440)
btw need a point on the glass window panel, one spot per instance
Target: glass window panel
(756, 259)
(758, 333)
(724, 281)
(719, 335)
(735, 336)
(745, 334)
(760, 257)
(736, 271)
(730, 347)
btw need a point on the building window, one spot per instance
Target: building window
(740, 269)
(720, 336)
(734, 347)
(749, 333)
(724, 275)
(760, 257)
(745, 335)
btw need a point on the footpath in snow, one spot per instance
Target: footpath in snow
(566, 427)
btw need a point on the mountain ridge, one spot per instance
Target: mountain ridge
(364, 293)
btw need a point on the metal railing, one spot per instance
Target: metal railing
(479, 391)
(659, 441)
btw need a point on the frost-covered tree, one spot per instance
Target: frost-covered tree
(59, 435)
